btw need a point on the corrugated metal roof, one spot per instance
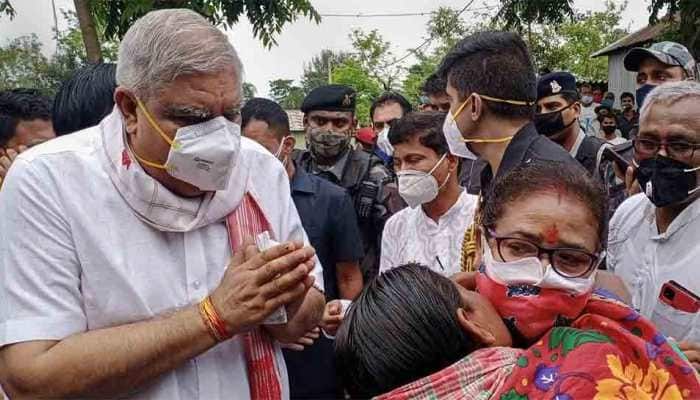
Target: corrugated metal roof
(296, 120)
(634, 39)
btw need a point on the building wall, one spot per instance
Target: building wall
(619, 79)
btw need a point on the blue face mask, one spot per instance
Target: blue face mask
(642, 93)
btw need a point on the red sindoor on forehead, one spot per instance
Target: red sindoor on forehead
(551, 235)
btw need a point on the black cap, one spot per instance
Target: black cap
(330, 98)
(556, 83)
(605, 104)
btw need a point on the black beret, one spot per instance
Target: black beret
(556, 83)
(330, 98)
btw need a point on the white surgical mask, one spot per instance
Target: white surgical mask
(383, 141)
(418, 187)
(532, 271)
(203, 154)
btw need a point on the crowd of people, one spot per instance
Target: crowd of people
(511, 236)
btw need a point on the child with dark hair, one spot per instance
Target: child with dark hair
(544, 229)
(85, 99)
(25, 121)
(385, 341)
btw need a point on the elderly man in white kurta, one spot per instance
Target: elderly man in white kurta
(116, 270)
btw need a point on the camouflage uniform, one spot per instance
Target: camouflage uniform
(374, 192)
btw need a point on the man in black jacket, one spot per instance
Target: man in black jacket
(492, 90)
(558, 110)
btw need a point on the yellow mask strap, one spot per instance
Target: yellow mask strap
(514, 102)
(497, 140)
(459, 110)
(174, 144)
(162, 134)
(150, 163)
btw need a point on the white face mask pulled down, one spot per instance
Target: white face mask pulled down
(532, 271)
(418, 187)
(383, 142)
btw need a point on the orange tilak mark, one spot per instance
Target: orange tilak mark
(551, 235)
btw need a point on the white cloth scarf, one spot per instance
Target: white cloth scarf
(152, 202)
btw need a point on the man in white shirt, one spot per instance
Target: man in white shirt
(114, 247)
(431, 230)
(655, 235)
(588, 118)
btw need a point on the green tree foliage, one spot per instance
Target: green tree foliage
(521, 14)
(445, 28)
(373, 54)
(22, 63)
(684, 29)
(316, 71)
(288, 95)
(249, 91)
(267, 17)
(568, 46)
(353, 74)
(7, 9)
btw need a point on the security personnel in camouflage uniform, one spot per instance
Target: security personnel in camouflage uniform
(329, 120)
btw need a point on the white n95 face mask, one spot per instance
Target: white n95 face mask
(383, 142)
(203, 154)
(531, 271)
(454, 139)
(418, 187)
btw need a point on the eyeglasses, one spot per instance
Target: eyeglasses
(569, 263)
(379, 125)
(678, 149)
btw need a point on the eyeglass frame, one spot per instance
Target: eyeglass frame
(665, 144)
(596, 259)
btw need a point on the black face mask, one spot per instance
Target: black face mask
(609, 129)
(642, 92)
(551, 123)
(666, 181)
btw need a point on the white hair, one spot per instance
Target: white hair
(164, 44)
(669, 94)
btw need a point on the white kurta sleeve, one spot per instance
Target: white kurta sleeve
(40, 296)
(389, 257)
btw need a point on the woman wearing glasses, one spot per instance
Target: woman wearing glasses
(544, 230)
(543, 236)
(544, 227)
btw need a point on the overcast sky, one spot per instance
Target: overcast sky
(301, 40)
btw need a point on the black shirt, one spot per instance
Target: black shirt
(327, 214)
(328, 217)
(626, 125)
(526, 145)
(470, 174)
